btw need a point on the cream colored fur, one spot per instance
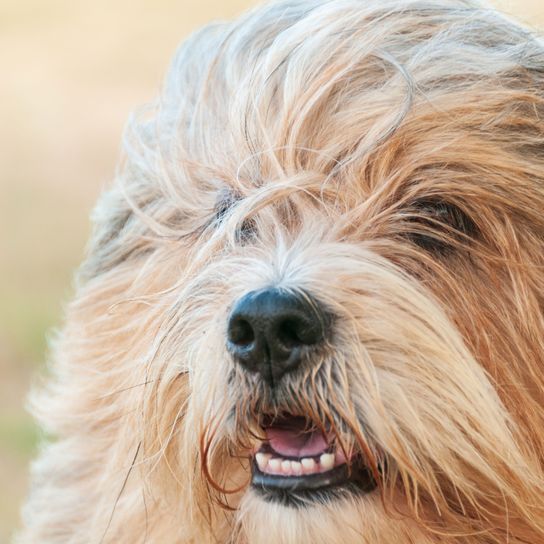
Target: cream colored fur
(326, 134)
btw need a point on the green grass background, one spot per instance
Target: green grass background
(72, 70)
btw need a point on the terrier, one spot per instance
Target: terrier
(312, 310)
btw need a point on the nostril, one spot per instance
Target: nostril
(287, 333)
(241, 332)
(293, 332)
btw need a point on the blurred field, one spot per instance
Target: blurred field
(72, 71)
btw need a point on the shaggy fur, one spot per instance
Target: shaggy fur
(385, 156)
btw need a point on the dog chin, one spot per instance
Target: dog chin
(339, 517)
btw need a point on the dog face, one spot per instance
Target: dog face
(313, 307)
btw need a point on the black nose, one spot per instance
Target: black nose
(271, 330)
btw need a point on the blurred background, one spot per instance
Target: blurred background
(71, 72)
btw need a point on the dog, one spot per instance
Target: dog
(312, 309)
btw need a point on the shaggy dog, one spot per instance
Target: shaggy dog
(312, 308)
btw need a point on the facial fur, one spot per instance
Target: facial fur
(386, 159)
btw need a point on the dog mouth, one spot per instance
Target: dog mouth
(298, 463)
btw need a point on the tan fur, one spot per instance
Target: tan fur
(329, 126)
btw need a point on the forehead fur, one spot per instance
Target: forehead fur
(351, 103)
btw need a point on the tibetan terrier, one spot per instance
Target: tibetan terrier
(312, 310)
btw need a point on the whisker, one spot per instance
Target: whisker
(118, 391)
(121, 492)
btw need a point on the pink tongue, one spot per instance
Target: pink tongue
(296, 443)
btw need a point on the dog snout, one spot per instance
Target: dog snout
(271, 330)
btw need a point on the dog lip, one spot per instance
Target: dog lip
(298, 490)
(334, 476)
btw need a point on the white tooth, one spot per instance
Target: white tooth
(262, 460)
(286, 466)
(274, 465)
(326, 461)
(296, 467)
(308, 465)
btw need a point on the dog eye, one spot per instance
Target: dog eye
(439, 226)
(224, 204)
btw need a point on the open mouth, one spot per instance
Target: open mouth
(298, 462)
